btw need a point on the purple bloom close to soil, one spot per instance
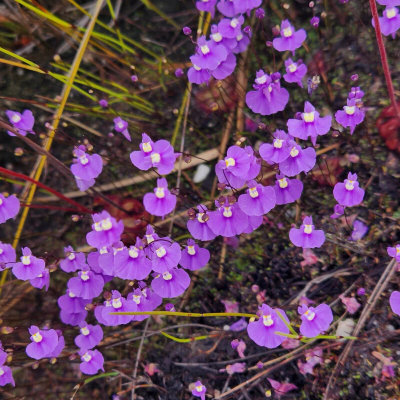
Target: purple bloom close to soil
(86, 285)
(348, 193)
(165, 256)
(389, 22)
(299, 160)
(315, 320)
(7, 255)
(121, 126)
(209, 54)
(258, 199)
(30, 266)
(395, 302)
(22, 122)
(106, 230)
(338, 211)
(314, 21)
(42, 280)
(86, 166)
(229, 220)
(103, 103)
(206, 5)
(194, 257)
(92, 362)
(306, 236)
(159, 154)
(199, 390)
(359, 230)
(43, 342)
(310, 125)
(394, 252)
(290, 39)
(6, 376)
(199, 226)
(161, 202)
(268, 97)
(287, 190)
(350, 116)
(279, 150)
(73, 260)
(295, 72)
(90, 336)
(9, 207)
(281, 388)
(171, 283)
(262, 331)
(131, 263)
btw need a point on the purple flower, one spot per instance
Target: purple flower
(315, 320)
(132, 263)
(348, 193)
(30, 266)
(171, 283)
(60, 345)
(260, 13)
(121, 126)
(295, 72)
(86, 285)
(103, 103)
(360, 291)
(106, 230)
(279, 150)
(313, 358)
(359, 230)
(287, 190)
(268, 97)
(186, 30)
(42, 280)
(209, 54)
(314, 21)
(394, 252)
(146, 300)
(230, 28)
(290, 39)
(351, 304)
(194, 257)
(7, 255)
(218, 38)
(199, 390)
(236, 162)
(43, 342)
(234, 368)
(351, 116)
(262, 331)
(9, 207)
(239, 346)
(116, 304)
(239, 325)
(306, 236)
(22, 122)
(198, 75)
(299, 160)
(166, 255)
(158, 155)
(134, 78)
(228, 220)
(390, 22)
(73, 260)
(258, 199)
(227, 8)
(179, 72)
(242, 41)
(161, 202)
(199, 227)
(92, 362)
(207, 6)
(310, 124)
(90, 336)
(6, 376)
(356, 93)
(390, 3)
(85, 166)
(395, 302)
(71, 303)
(225, 68)
(338, 211)
(281, 388)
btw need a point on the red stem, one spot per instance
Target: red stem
(80, 207)
(382, 52)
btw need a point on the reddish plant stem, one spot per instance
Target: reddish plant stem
(80, 207)
(384, 60)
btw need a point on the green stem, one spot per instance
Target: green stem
(289, 326)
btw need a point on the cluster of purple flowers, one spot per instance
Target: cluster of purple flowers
(215, 57)
(352, 114)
